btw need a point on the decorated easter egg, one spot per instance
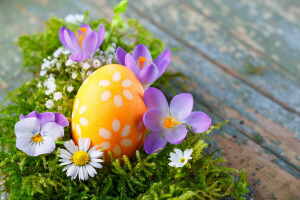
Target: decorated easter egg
(108, 109)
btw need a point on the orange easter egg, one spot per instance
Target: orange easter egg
(108, 109)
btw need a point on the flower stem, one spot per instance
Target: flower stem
(59, 142)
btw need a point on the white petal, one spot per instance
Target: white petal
(87, 144)
(71, 171)
(81, 142)
(81, 176)
(172, 164)
(66, 162)
(96, 160)
(95, 164)
(187, 153)
(90, 170)
(46, 146)
(96, 154)
(52, 130)
(178, 152)
(70, 146)
(85, 173)
(76, 173)
(93, 149)
(65, 154)
(23, 142)
(66, 167)
(29, 125)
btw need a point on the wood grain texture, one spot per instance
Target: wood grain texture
(216, 39)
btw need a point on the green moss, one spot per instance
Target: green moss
(141, 177)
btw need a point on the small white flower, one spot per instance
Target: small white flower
(109, 61)
(35, 139)
(88, 73)
(57, 96)
(66, 52)
(96, 63)
(58, 65)
(43, 72)
(39, 85)
(58, 52)
(74, 75)
(70, 88)
(86, 65)
(80, 161)
(49, 104)
(70, 62)
(76, 18)
(59, 108)
(113, 45)
(179, 159)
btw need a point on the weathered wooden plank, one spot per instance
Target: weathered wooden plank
(221, 48)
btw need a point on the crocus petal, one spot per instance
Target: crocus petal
(79, 56)
(89, 44)
(153, 142)
(199, 121)
(153, 119)
(101, 35)
(68, 39)
(121, 56)
(52, 130)
(142, 51)
(162, 61)
(27, 126)
(154, 98)
(88, 28)
(61, 120)
(131, 64)
(148, 75)
(175, 135)
(181, 106)
(47, 146)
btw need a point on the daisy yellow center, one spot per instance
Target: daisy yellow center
(37, 138)
(170, 122)
(142, 61)
(182, 160)
(81, 158)
(80, 38)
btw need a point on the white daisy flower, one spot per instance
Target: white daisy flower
(179, 159)
(80, 161)
(34, 138)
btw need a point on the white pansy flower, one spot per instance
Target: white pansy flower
(49, 104)
(57, 96)
(179, 158)
(70, 88)
(35, 139)
(79, 160)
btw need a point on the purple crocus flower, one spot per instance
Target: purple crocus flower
(140, 62)
(84, 43)
(36, 133)
(166, 123)
(47, 117)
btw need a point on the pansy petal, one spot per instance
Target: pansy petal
(23, 143)
(175, 135)
(52, 130)
(131, 64)
(121, 55)
(79, 56)
(154, 98)
(153, 142)
(32, 114)
(153, 119)
(89, 44)
(148, 75)
(181, 106)
(162, 61)
(101, 35)
(46, 146)
(68, 39)
(142, 51)
(27, 126)
(61, 120)
(199, 121)
(45, 118)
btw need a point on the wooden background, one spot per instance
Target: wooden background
(217, 39)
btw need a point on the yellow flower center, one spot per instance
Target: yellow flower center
(80, 38)
(170, 122)
(142, 61)
(37, 138)
(81, 158)
(182, 160)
